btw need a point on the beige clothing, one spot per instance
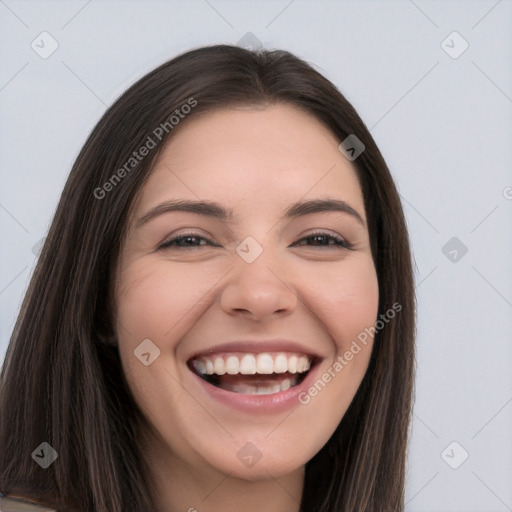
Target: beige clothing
(15, 504)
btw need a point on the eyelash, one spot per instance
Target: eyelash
(339, 243)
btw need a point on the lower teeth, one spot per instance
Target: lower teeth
(260, 389)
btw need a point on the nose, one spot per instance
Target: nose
(258, 289)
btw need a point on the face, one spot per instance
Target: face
(237, 316)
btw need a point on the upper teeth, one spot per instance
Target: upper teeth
(250, 364)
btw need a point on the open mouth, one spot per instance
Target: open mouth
(253, 373)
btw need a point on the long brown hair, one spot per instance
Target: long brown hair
(62, 381)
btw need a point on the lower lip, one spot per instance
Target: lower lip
(271, 403)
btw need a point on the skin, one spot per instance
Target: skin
(190, 298)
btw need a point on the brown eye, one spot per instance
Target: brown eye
(188, 240)
(324, 240)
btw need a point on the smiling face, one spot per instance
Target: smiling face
(249, 303)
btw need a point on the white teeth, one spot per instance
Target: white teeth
(264, 364)
(218, 366)
(209, 366)
(292, 364)
(286, 384)
(248, 365)
(198, 365)
(251, 364)
(302, 364)
(262, 389)
(280, 364)
(232, 365)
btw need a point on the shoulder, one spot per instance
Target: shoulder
(19, 504)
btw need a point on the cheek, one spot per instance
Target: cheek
(154, 300)
(346, 299)
(346, 303)
(159, 303)
(156, 304)
(358, 302)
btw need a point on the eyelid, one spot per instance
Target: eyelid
(340, 241)
(167, 241)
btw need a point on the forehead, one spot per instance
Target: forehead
(264, 134)
(254, 157)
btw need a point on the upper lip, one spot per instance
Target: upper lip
(259, 347)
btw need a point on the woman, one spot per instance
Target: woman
(222, 315)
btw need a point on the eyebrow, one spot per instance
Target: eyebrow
(217, 211)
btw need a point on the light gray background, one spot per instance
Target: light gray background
(443, 124)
